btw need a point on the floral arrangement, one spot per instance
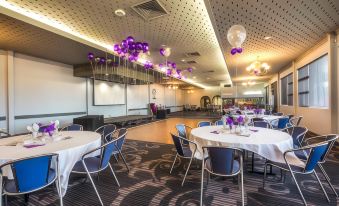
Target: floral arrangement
(240, 120)
(50, 128)
(257, 111)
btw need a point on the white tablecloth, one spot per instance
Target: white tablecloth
(268, 143)
(70, 151)
(268, 118)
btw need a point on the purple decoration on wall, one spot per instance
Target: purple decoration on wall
(90, 56)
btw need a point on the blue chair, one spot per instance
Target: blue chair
(298, 135)
(268, 112)
(183, 152)
(316, 154)
(183, 131)
(219, 122)
(91, 164)
(29, 175)
(295, 121)
(331, 138)
(262, 124)
(221, 161)
(73, 127)
(105, 130)
(281, 123)
(204, 124)
(121, 133)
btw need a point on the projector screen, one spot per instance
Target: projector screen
(108, 93)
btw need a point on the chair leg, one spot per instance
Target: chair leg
(327, 179)
(115, 177)
(252, 161)
(202, 183)
(1, 190)
(90, 178)
(173, 163)
(188, 167)
(115, 157)
(242, 186)
(322, 187)
(296, 183)
(59, 190)
(265, 172)
(124, 160)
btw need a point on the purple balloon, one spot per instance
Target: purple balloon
(174, 65)
(116, 47)
(130, 39)
(90, 56)
(131, 46)
(102, 60)
(125, 50)
(178, 71)
(239, 50)
(189, 69)
(233, 51)
(168, 72)
(124, 44)
(145, 47)
(162, 51)
(139, 46)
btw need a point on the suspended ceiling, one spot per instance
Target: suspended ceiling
(189, 26)
(294, 25)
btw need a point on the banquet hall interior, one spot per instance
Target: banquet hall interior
(169, 102)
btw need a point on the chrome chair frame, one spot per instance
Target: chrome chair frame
(289, 169)
(119, 151)
(269, 126)
(210, 123)
(327, 178)
(298, 119)
(178, 155)
(6, 134)
(99, 170)
(240, 172)
(101, 130)
(277, 121)
(186, 133)
(64, 128)
(56, 178)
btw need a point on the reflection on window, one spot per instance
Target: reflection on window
(313, 84)
(287, 90)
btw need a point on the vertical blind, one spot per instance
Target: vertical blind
(287, 90)
(313, 84)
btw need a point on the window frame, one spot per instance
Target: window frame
(288, 77)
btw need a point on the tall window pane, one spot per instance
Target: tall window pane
(286, 90)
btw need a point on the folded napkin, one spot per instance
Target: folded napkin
(33, 143)
(253, 130)
(215, 132)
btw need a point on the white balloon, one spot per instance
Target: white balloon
(236, 35)
(167, 52)
(35, 127)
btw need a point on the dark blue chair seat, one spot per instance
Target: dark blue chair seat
(92, 163)
(187, 152)
(235, 169)
(302, 154)
(11, 187)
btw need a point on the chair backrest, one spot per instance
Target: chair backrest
(181, 129)
(4, 134)
(257, 119)
(204, 124)
(278, 114)
(317, 152)
(111, 146)
(298, 135)
(73, 127)
(106, 129)
(178, 144)
(118, 135)
(262, 124)
(330, 138)
(31, 173)
(219, 122)
(282, 122)
(222, 160)
(267, 112)
(295, 121)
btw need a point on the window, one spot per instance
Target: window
(313, 84)
(287, 90)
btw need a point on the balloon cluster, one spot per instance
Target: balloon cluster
(100, 60)
(148, 65)
(128, 47)
(236, 35)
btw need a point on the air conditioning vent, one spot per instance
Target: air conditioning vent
(191, 62)
(193, 54)
(150, 9)
(227, 85)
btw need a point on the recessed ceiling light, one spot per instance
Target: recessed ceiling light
(208, 78)
(267, 37)
(163, 45)
(106, 74)
(183, 60)
(194, 77)
(120, 12)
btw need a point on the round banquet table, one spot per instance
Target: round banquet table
(268, 143)
(70, 151)
(268, 118)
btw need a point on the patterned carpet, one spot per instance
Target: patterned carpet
(149, 183)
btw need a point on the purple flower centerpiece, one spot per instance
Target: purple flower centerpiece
(240, 120)
(257, 111)
(229, 121)
(50, 128)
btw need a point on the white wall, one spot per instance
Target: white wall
(41, 87)
(3, 89)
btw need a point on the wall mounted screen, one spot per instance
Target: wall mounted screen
(108, 93)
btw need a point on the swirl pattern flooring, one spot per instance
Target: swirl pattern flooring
(149, 183)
